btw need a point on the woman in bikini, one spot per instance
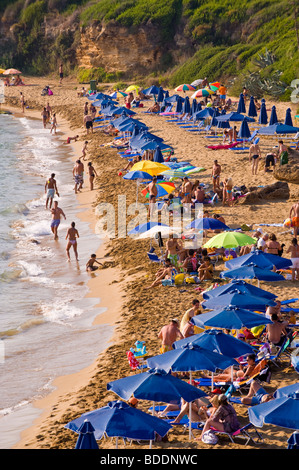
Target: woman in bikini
(72, 235)
(92, 174)
(273, 246)
(227, 191)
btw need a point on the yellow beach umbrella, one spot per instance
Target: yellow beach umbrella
(153, 168)
(1, 71)
(132, 88)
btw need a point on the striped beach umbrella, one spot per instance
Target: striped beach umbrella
(185, 87)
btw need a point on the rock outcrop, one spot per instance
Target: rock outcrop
(279, 190)
(290, 171)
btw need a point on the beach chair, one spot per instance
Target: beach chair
(242, 432)
(134, 364)
(154, 258)
(283, 349)
(196, 128)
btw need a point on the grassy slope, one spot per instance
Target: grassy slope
(226, 34)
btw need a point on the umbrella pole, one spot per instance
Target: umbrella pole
(116, 443)
(212, 387)
(154, 412)
(190, 410)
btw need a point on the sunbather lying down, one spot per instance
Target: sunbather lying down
(163, 273)
(111, 130)
(198, 411)
(226, 376)
(256, 395)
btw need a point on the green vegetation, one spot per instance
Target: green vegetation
(223, 39)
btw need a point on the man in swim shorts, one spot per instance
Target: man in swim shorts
(50, 189)
(222, 92)
(56, 214)
(294, 216)
(78, 172)
(169, 334)
(256, 395)
(271, 158)
(216, 170)
(88, 123)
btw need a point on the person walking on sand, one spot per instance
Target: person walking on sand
(216, 170)
(92, 173)
(71, 235)
(78, 172)
(60, 73)
(294, 250)
(84, 150)
(54, 124)
(153, 192)
(56, 212)
(50, 189)
(22, 101)
(294, 216)
(254, 157)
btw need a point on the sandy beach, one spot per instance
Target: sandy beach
(138, 313)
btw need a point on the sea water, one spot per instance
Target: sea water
(46, 322)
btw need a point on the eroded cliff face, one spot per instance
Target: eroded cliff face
(115, 48)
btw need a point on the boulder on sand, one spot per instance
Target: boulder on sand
(290, 171)
(278, 190)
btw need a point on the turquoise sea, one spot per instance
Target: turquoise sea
(45, 320)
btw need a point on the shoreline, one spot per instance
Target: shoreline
(71, 383)
(144, 311)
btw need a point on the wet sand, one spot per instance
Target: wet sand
(137, 313)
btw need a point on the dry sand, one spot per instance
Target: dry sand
(137, 313)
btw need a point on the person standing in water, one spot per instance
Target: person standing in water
(51, 189)
(71, 235)
(22, 100)
(56, 212)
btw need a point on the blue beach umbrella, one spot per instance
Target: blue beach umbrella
(252, 271)
(231, 317)
(142, 228)
(278, 129)
(190, 358)
(186, 106)
(217, 341)
(244, 132)
(166, 95)
(194, 107)
(287, 390)
(204, 114)
(160, 96)
(118, 419)
(252, 108)
(240, 300)
(233, 116)
(207, 223)
(223, 124)
(273, 116)
(283, 412)
(263, 117)
(241, 105)
(122, 110)
(158, 157)
(288, 118)
(152, 90)
(86, 439)
(261, 259)
(152, 145)
(239, 286)
(156, 385)
(293, 441)
(134, 175)
(179, 106)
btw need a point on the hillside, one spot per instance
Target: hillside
(169, 41)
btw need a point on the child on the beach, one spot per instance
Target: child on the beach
(90, 263)
(54, 124)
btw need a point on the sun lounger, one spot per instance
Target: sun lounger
(242, 432)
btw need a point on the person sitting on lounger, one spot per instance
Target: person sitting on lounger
(242, 373)
(163, 273)
(256, 395)
(198, 414)
(155, 108)
(205, 270)
(224, 419)
(276, 332)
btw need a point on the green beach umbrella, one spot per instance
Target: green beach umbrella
(173, 174)
(230, 240)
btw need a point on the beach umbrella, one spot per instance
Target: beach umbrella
(86, 439)
(145, 227)
(174, 98)
(166, 95)
(238, 300)
(164, 231)
(217, 341)
(203, 92)
(273, 116)
(156, 385)
(230, 317)
(153, 168)
(122, 110)
(244, 132)
(190, 358)
(152, 145)
(160, 96)
(173, 173)
(185, 87)
(197, 82)
(223, 124)
(252, 271)
(283, 412)
(238, 286)
(261, 259)
(230, 240)
(263, 117)
(193, 106)
(118, 419)
(132, 88)
(179, 106)
(118, 94)
(288, 118)
(287, 390)
(12, 72)
(158, 157)
(186, 106)
(207, 223)
(293, 441)
(162, 190)
(204, 114)
(233, 116)
(137, 175)
(152, 90)
(241, 105)
(278, 129)
(198, 108)
(252, 108)
(127, 127)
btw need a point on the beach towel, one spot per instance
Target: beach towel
(222, 146)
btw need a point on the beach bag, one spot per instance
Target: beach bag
(50, 92)
(209, 438)
(284, 158)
